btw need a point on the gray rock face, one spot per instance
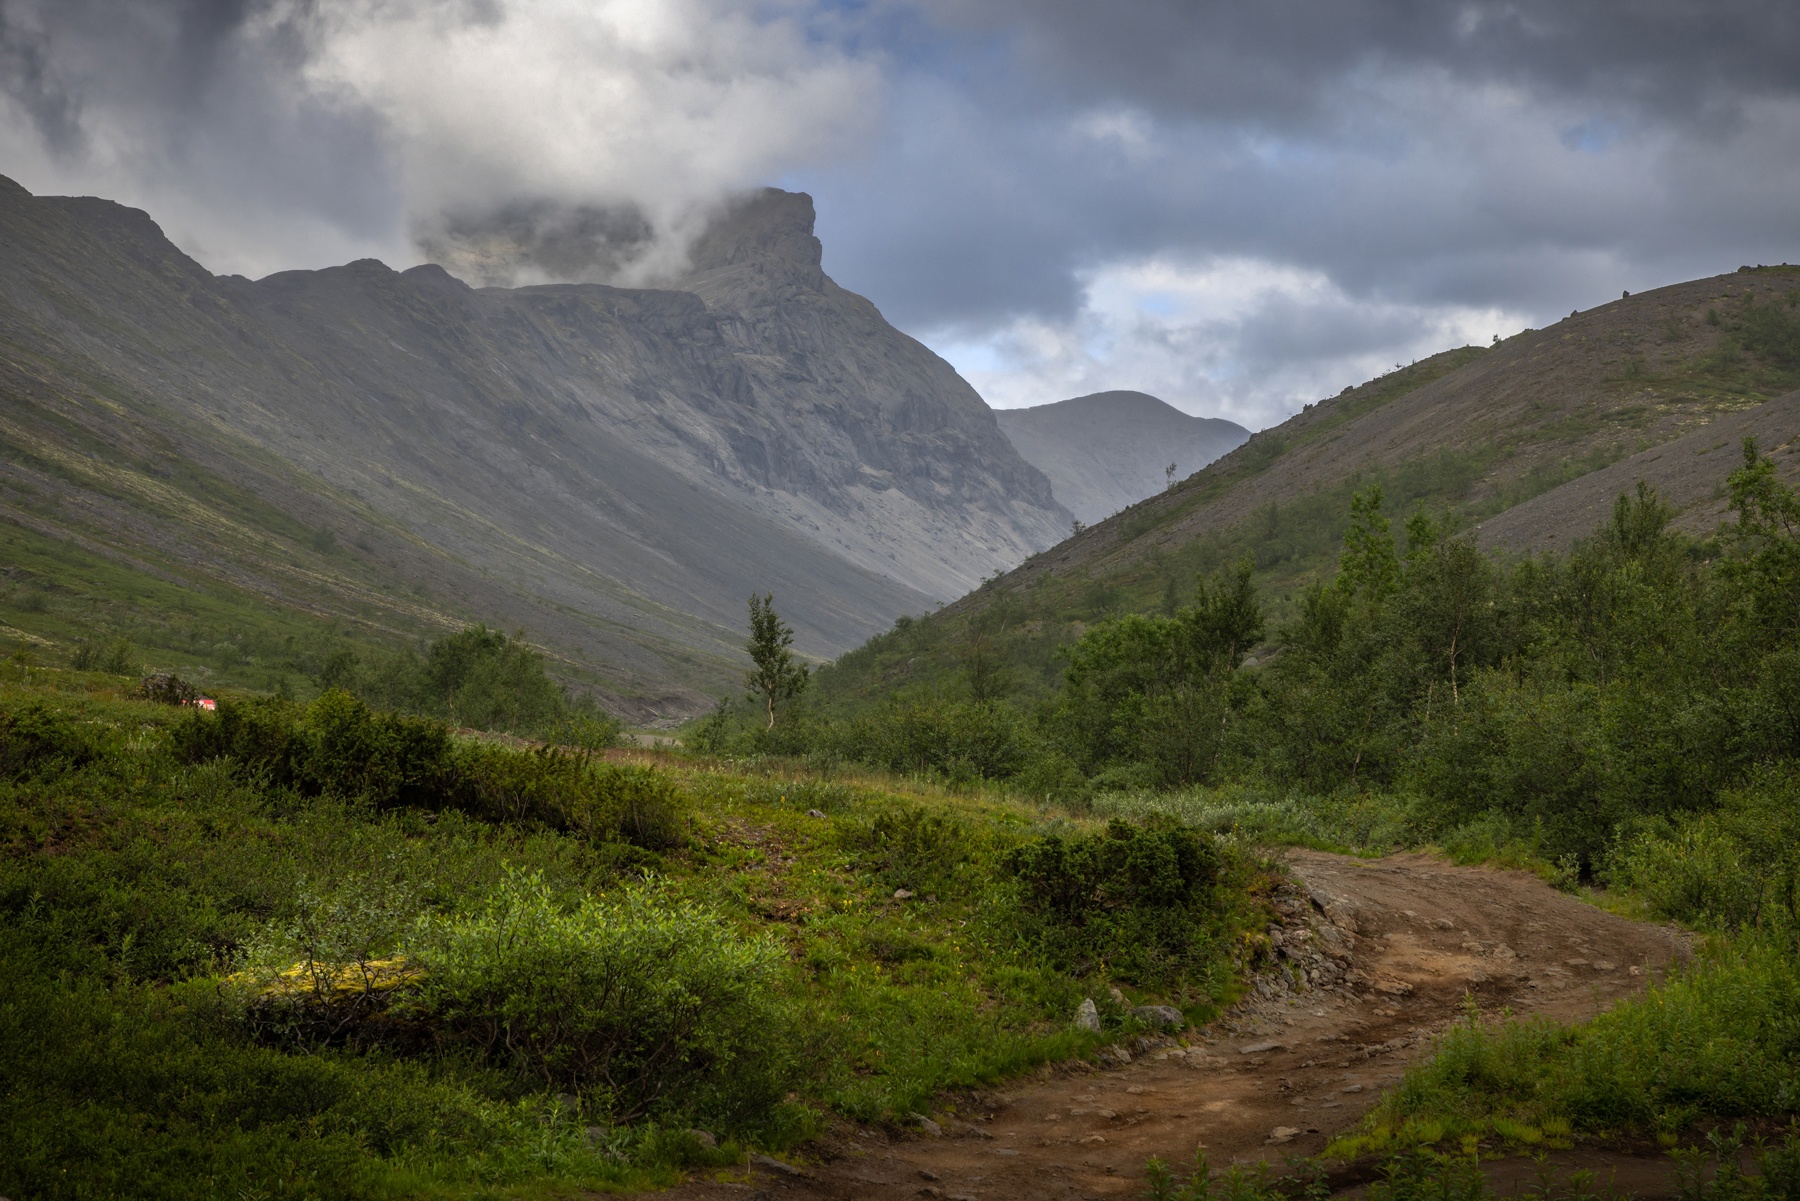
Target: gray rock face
(615, 469)
(1109, 450)
(893, 458)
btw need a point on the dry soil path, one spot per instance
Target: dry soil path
(1393, 945)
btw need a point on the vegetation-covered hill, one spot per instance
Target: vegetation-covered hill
(1530, 440)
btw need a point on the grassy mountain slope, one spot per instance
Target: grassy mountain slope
(1472, 433)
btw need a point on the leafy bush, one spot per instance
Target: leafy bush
(962, 741)
(640, 1005)
(34, 738)
(1139, 898)
(115, 657)
(909, 846)
(1735, 868)
(640, 803)
(337, 746)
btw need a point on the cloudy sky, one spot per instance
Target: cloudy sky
(1239, 207)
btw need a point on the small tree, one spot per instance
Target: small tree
(776, 675)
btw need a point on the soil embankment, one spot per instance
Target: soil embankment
(1393, 945)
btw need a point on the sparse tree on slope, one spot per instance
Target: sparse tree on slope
(776, 675)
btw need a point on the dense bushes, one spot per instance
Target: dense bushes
(477, 677)
(242, 958)
(34, 738)
(337, 746)
(1139, 898)
(1567, 698)
(1730, 869)
(642, 1006)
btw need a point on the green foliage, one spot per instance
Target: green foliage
(1731, 869)
(913, 848)
(222, 934)
(477, 677)
(491, 682)
(1720, 1038)
(775, 675)
(1138, 898)
(338, 747)
(114, 657)
(34, 739)
(642, 1006)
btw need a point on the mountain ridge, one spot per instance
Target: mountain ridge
(614, 469)
(1107, 450)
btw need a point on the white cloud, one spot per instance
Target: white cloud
(1230, 337)
(664, 105)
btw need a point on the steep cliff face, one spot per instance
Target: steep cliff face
(616, 469)
(884, 449)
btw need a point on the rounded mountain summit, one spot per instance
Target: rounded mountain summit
(1112, 449)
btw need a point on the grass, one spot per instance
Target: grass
(134, 883)
(1718, 1039)
(59, 594)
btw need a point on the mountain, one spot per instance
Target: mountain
(388, 454)
(1112, 449)
(1524, 444)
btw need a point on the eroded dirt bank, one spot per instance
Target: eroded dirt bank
(1391, 946)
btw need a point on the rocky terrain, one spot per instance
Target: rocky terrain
(1112, 449)
(614, 470)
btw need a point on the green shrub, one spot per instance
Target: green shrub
(640, 804)
(641, 1006)
(909, 846)
(338, 747)
(1139, 898)
(116, 657)
(34, 738)
(1734, 868)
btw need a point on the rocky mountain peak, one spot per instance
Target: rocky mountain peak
(767, 227)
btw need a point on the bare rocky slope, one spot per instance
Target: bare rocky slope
(614, 470)
(1109, 450)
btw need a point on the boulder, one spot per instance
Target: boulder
(1087, 1015)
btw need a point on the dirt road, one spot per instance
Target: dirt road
(1392, 947)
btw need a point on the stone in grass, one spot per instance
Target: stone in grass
(1113, 1057)
(775, 1165)
(903, 894)
(1087, 1015)
(1162, 1017)
(930, 1128)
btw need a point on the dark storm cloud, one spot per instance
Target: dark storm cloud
(1528, 155)
(978, 163)
(1267, 60)
(177, 98)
